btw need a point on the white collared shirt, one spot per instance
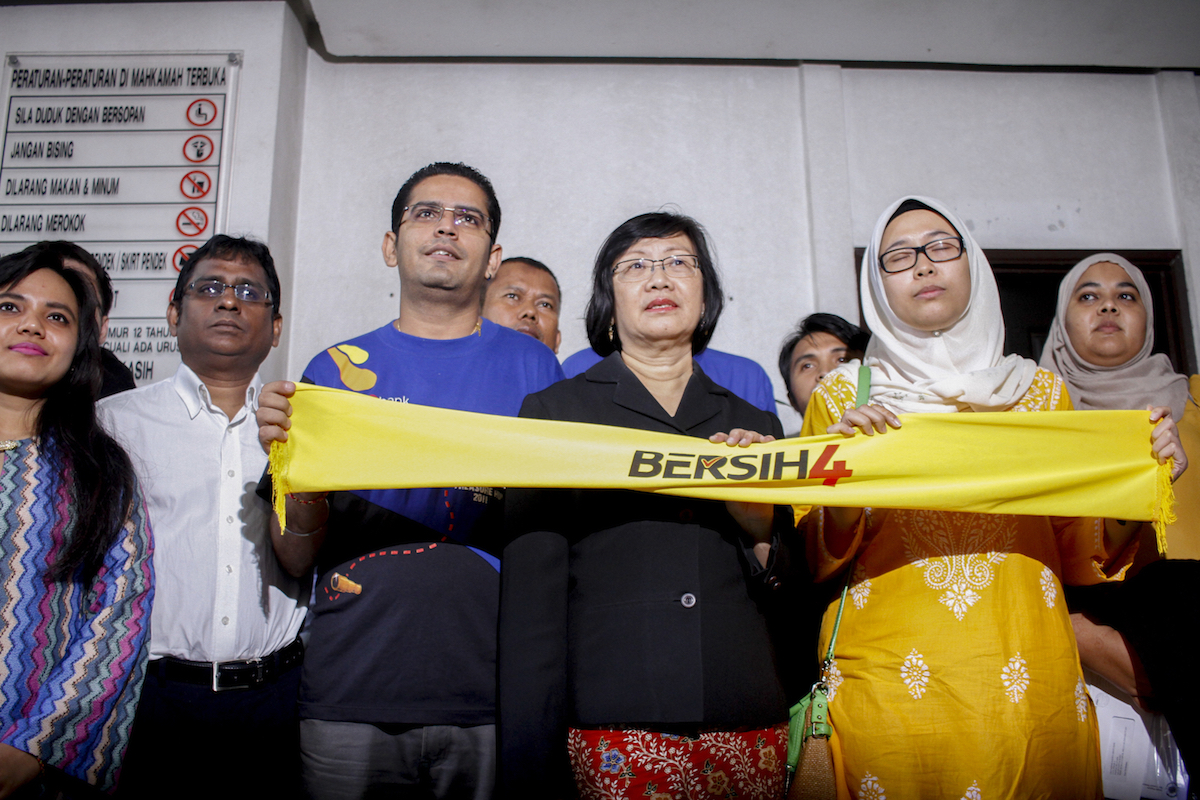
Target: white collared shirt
(220, 594)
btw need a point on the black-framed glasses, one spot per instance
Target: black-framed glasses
(467, 218)
(636, 270)
(213, 290)
(899, 259)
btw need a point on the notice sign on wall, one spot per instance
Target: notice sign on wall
(125, 155)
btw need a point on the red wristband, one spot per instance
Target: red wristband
(293, 497)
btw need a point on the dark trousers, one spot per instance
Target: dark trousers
(359, 761)
(189, 741)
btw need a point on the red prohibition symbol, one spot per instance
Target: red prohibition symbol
(195, 184)
(181, 255)
(191, 221)
(198, 148)
(202, 112)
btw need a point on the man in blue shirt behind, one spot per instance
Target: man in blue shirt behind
(738, 374)
(399, 685)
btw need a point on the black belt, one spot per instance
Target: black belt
(227, 675)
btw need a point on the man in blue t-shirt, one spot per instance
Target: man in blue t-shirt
(399, 686)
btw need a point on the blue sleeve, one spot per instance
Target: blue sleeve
(743, 376)
(761, 394)
(580, 362)
(549, 372)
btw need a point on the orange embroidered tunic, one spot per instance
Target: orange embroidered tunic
(956, 673)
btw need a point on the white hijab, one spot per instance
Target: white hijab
(1143, 380)
(960, 368)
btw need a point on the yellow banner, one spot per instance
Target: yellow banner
(1060, 463)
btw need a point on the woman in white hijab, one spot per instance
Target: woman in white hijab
(955, 671)
(1100, 342)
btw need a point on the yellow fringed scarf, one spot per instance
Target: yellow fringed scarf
(1062, 463)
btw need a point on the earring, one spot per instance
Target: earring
(610, 332)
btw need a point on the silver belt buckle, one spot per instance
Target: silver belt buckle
(216, 671)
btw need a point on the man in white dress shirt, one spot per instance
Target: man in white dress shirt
(218, 711)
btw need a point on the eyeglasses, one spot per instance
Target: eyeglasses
(637, 270)
(214, 290)
(431, 213)
(899, 259)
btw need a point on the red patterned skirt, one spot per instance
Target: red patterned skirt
(610, 764)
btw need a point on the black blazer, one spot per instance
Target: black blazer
(628, 609)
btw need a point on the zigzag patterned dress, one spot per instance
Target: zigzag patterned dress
(72, 657)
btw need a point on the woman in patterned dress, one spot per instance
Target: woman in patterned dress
(955, 672)
(75, 570)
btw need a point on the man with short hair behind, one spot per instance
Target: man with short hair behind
(117, 377)
(820, 343)
(399, 689)
(218, 709)
(524, 295)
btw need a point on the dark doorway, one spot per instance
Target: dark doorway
(1029, 279)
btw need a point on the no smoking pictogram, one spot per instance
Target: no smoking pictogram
(191, 221)
(181, 255)
(195, 184)
(198, 148)
(202, 112)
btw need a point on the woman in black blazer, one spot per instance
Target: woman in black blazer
(634, 649)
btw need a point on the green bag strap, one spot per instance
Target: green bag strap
(815, 704)
(817, 700)
(837, 623)
(864, 386)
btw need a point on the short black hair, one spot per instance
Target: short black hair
(854, 337)
(230, 248)
(533, 262)
(446, 168)
(655, 225)
(69, 250)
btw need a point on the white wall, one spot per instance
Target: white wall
(1028, 160)
(262, 199)
(1034, 160)
(788, 166)
(1114, 33)
(573, 151)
